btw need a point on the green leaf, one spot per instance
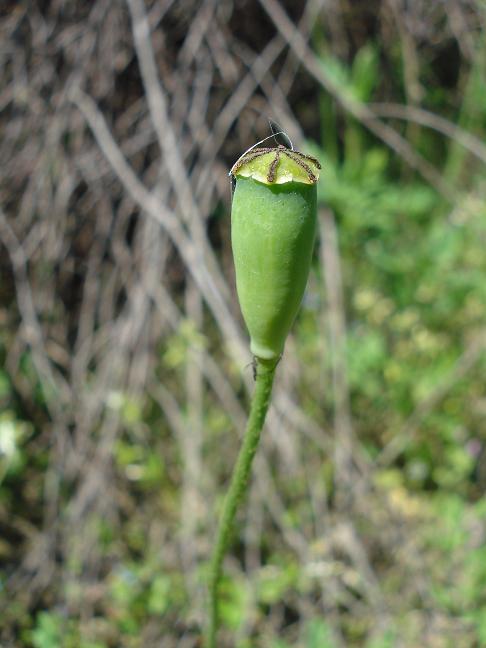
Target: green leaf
(318, 635)
(364, 73)
(48, 631)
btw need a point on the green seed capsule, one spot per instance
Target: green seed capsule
(273, 224)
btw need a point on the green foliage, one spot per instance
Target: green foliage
(318, 635)
(53, 631)
(234, 603)
(274, 582)
(48, 631)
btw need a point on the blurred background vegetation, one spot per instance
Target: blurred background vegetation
(124, 374)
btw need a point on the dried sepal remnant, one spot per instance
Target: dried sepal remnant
(273, 165)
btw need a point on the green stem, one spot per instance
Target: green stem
(239, 480)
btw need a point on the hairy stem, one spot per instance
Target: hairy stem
(265, 372)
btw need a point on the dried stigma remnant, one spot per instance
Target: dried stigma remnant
(264, 163)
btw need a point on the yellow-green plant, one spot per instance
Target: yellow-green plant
(273, 224)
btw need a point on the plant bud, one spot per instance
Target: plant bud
(273, 225)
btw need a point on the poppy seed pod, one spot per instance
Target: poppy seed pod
(273, 225)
